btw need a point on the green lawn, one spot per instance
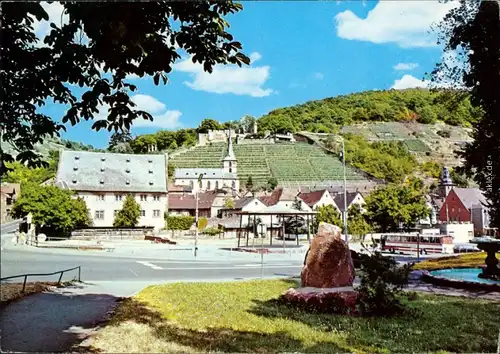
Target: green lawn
(243, 317)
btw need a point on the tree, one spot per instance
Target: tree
(459, 179)
(171, 170)
(328, 214)
(118, 138)
(247, 123)
(473, 31)
(208, 124)
(20, 173)
(272, 183)
(229, 203)
(249, 184)
(129, 215)
(357, 224)
(392, 205)
(52, 207)
(96, 45)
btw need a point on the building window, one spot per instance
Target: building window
(99, 214)
(200, 184)
(144, 197)
(191, 184)
(459, 210)
(216, 184)
(208, 185)
(156, 198)
(143, 212)
(234, 184)
(452, 210)
(118, 197)
(115, 213)
(156, 213)
(100, 197)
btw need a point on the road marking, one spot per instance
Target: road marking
(151, 265)
(134, 273)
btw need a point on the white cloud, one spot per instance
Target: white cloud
(162, 118)
(148, 103)
(319, 76)
(227, 78)
(55, 12)
(254, 57)
(405, 66)
(409, 81)
(406, 23)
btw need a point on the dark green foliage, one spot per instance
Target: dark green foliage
(212, 231)
(393, 204)
(419, 105)
(52, 207)
(179, 222)
(459, 179)
(134, 38)
(208, 124)
(129, 215)
(382, 279)
(171, 170)
(328, 214)
(473, 30)
(119, 142)
(443, 133)
(249, 184)
(272, 183)
(164, 140)
(390, 161)
(357, 224)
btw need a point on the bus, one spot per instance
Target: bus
(413, 243)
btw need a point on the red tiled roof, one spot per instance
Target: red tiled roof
(272, 199)
(188, 201)
(312, 198)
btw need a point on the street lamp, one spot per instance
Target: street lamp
(345, 189)
(200, 177)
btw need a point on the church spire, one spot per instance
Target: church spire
(230, 153)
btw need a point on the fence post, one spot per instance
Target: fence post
(79, 273)
(60, 277)
(24, 284)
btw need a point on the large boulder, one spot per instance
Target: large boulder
(328, 262)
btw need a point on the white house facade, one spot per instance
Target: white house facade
(103, 180)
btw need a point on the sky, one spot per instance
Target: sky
(300, 51)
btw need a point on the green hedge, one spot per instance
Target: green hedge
(179, 222)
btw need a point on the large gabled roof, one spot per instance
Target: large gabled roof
(311, 198)
(109, 172)
(470, 196)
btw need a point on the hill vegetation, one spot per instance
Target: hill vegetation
(410, 105)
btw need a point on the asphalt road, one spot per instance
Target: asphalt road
(98, 268)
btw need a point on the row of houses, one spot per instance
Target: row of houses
(104, 179)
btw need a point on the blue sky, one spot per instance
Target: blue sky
(301, 51)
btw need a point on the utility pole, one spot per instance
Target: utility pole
(196, 215)
(345, 192)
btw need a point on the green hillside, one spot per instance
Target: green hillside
(298, 162)
(411, 105)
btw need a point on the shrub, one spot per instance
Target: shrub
(212, 231)
(381, 281)
(181, 222)
(443, 133)
(202, 223)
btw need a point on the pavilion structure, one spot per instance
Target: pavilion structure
(275, 223)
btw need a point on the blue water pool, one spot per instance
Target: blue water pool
(465, 274)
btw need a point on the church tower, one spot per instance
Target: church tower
(445, 183)
(230, 164)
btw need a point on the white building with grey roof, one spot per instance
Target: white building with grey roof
(103, 180)
(211, 178)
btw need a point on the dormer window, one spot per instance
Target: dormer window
(127, 170)
(151, 183)
(128, 159)
(75, 168)
(150, 161)
(127, 182)
(101, 181)
(102, 169)
(74, 181)
(77, 157)
(151, 172)
(103, 159)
